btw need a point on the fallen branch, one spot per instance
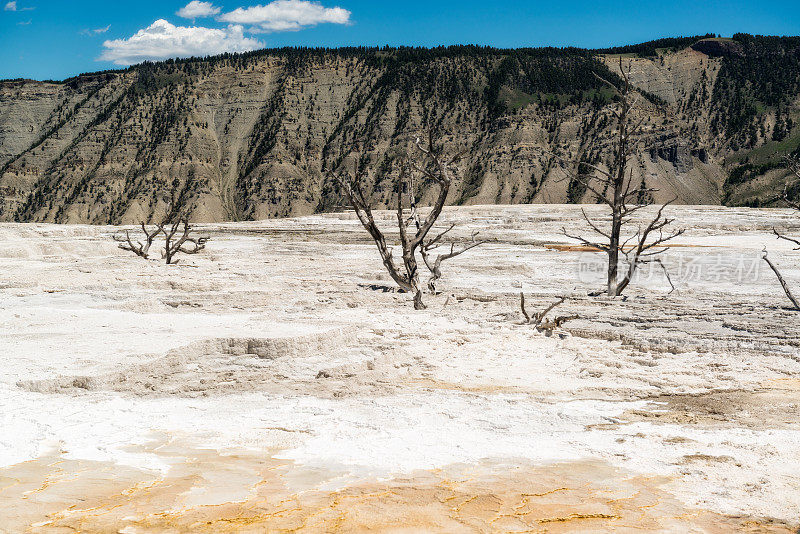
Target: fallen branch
(548, 326)
(538, 319)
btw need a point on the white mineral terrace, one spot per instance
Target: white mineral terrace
(276, 367)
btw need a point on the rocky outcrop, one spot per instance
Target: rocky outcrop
(717, 47)
(678, 152)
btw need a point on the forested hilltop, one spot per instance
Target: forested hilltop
(255, 135)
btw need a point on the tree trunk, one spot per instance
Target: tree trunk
(613, 252)
(412, 272)
(418, 304)
(618, 204)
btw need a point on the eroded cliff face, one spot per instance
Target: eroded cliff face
(673, 77)
(255, 136)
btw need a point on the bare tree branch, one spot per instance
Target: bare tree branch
(140, 249)
(173, 245)
(794, 166)
(787, 238)
(590, 244)
(782, 281)
(547, 326)
(435, 265)
(666, 272)
(593, 226)
(351, 185)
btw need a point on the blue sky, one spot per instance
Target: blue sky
(44, 39)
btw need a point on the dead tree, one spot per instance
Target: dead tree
(175, 222)
(615, 187)
(182, 243)
(140, 249)
(540, 321)
(794, 165)
(413, 237)
(435, 265)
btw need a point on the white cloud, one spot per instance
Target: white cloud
(286, 15)
(196, 9)
(162, 40)
(95, 31)
(12, 6)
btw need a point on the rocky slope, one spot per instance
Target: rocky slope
(256, 135)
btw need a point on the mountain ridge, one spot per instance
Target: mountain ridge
(254, 135)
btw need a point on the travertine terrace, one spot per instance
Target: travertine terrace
(277, 381)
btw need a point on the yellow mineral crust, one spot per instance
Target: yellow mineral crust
(205, 491)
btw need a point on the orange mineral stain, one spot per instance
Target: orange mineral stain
(52, 495)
